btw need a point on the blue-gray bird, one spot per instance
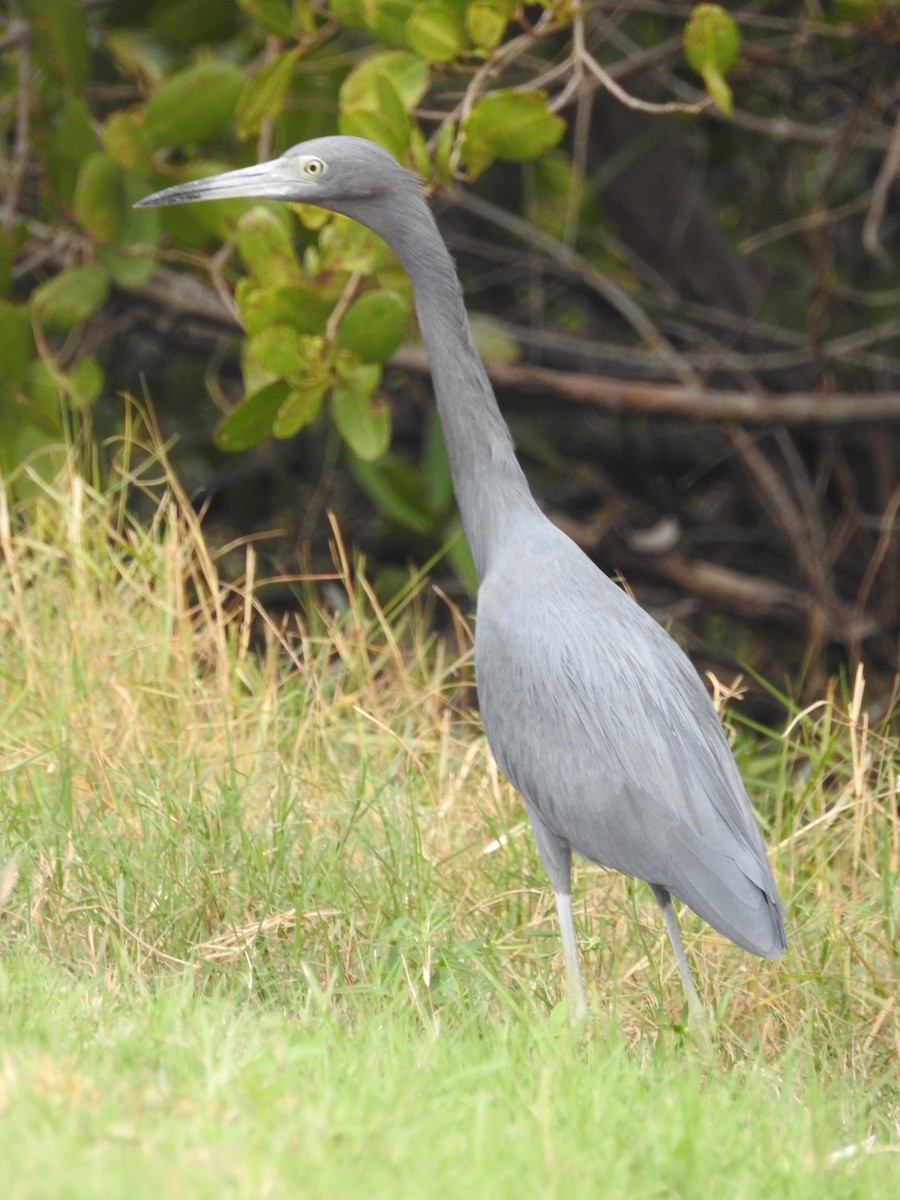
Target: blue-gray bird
(591, 710)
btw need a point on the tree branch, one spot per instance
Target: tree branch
(687, 403)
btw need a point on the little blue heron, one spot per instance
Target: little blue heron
(591, 710)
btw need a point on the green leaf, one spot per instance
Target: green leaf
(136, 54)
(265, 246)
(443, 150)
(556, 188)
(194, 104)
(264, 95)
(300, 409)
(395, 489)
(192, 224)
(124, 141)
(378, 113)
(408, 74)
(74, 134)
(375, 127)
(126, 266)
(127, 269)
(278, 352)
(67, 141)
(42, 386)
(251, 421)
(359, 377)
(510, 125)
(188, 23)
(85, 381)
(16, 341)
(314, 364)
(275, 349)
(391, 104)
(69, 298)
(418, 147)
(434, 31)
(711, 42)
(350, 14)
(719, 91)
(273, 15)
(438, 482)
(460, 556)
(374, 325)
(363, 423)
(711, 39)
(305, 308)
(486, 22)
(387, 19)
(347, 246)
(59, 36)
(99, 199)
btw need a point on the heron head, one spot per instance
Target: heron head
(348, 175)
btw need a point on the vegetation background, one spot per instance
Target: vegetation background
(690, 313)
(270, 921)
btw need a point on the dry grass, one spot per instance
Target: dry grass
(312, 803)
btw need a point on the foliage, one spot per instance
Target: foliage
(270, 923)
(663, 246)
(212, 85)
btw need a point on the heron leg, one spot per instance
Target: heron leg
(664, 900)
(574, 983)
(556, 855)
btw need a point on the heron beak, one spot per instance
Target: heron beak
(267, 181)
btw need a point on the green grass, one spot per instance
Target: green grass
(167, 1091)
(271, 923)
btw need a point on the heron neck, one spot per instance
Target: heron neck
(490, 486)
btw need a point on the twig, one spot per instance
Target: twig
(347, 296)
(885, 540)
(816, 220)
(785, 129)
(776, 499)
(738, 591)
(14, 172)
(17, 33)
(890, 169)
(685, 403)
(646, 106)
(614, 295)
(146, 946)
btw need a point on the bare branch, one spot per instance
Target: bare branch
(646, 106)
(685, 403)
(890, 169)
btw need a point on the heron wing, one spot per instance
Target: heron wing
(599, 719)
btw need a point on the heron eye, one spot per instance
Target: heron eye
(314, 166)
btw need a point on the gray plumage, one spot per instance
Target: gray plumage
(591, 710)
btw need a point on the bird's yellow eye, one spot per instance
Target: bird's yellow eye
(314, 166)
